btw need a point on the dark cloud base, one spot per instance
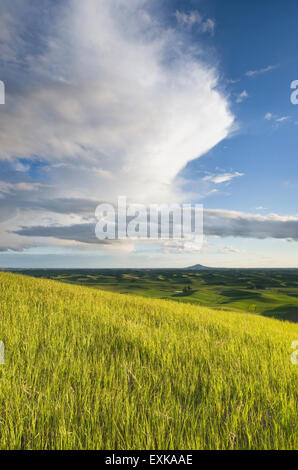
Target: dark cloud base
(216, 223)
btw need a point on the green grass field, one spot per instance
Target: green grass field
(88, 369)
(268, 292)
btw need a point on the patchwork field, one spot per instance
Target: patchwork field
(272, 293)
(89, 369)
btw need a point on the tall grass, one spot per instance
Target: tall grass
(87, 369)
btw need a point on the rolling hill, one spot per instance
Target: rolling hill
(197, 267)
(88, 369)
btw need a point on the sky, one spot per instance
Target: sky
(163, 102)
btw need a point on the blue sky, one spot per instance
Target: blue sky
(161, 101)
(252, 36)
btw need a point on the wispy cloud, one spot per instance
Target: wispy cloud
(231, 249)
(253, 73)
(268, 116)
(277, 119)
(242, 96)
(13, 188)
(222, 177)
(194, 18)
(283, 118)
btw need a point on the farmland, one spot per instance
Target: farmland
(272, 293)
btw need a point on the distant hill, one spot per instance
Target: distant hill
(197, 267)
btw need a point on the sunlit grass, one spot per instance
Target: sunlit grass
(87, 369)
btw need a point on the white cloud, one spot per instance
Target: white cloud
(277, 119)
(242, 96)
(230, 249)
(22, 167)
(107, 99)
(193, 18)
(222, 177)
(6, 187)
(102, 104)
(224, 223)
(253, 73)
(183, 246)
(189, 19)
(217, 223)
(208, 26)
(283, 118)
(268, 116)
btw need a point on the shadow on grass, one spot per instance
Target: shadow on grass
(237, 295)
(184, 294)
(283, 312)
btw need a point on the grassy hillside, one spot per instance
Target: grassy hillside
(269, 292)
(87, 369)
